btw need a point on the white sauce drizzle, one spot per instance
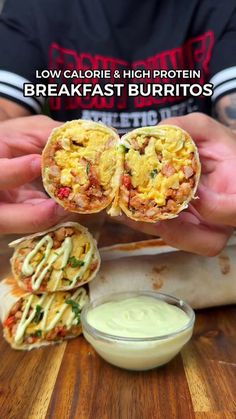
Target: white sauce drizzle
(27, 269)
(38, 276)
(79, 296)
(83, 268)
(25, 322)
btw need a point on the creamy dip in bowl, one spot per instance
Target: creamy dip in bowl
(137, 330)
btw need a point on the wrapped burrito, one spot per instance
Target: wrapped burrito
(31, 321)
(151, 173)
(61, 258)
(161, 173)
(79, 166)
(201, 281)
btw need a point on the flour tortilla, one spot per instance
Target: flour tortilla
(21, 243)
(201, 281)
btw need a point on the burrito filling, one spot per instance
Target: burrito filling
(79, 165)
(159, 172)
(47, 317)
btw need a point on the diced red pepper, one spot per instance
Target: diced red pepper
(63, 192)
(126, 180)
(9, 321)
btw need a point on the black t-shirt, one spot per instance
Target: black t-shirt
(124, 34)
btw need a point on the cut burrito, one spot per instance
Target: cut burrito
(31, 321)
(61, 258)
(151, 173)
(161, 173)
(79, 167)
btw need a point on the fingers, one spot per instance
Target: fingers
(195, 238)
(202, 128)
(196, 124)
(218, 208)
(18, 171)
(25, 135)
(36, 215)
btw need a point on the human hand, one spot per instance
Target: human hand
(206, 226)
(23, 208)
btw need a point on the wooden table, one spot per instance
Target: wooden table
(71, 381)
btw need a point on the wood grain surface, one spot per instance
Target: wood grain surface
(71, 381)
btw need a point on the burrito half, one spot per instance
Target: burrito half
(31, 321)
(160, 174)
(62, 258)
(79, 166)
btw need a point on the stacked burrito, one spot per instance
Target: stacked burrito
(41, 303)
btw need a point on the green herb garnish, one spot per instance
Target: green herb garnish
(124, 148)
(87, 168)
(38, 333)
(75, 308)
(38, 315)
(74, 263)
(153, 173)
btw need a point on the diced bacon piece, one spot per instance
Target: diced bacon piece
(18, 315)
(188, 171)
(93, 177)
(144, 145)
(81, 200)
(171, 192)
(31, 339)
(126, 181)
(55, 171)
(58, 146)
(63, 232)
(151, 212)
(93, 266)
(136, 202)
(171, 205)
(183, 192)
(168, 170)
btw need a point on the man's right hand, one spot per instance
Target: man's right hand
(207, 224)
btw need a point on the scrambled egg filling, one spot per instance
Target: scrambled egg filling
(107, 165)
(58, 301)
(80, 248)
(81, 149)
(161, 165)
